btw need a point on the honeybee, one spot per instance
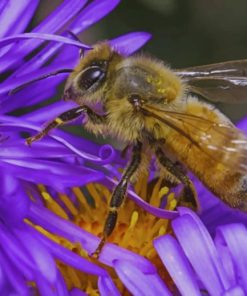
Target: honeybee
(152, 109)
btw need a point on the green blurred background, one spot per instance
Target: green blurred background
(185, 32)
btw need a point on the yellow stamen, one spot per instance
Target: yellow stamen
(52, 204)
(59, 120)
(154, 200)
(163, 191)
(68, 204)
(135, 229)
(134, 219)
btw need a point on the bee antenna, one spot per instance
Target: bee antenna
(20, 87)
(75, 37)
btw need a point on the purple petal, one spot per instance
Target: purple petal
(60, 286)
(226, 258)
(9, 184)
(158, 283)
(16, 252)
(44, 287)
(44, 172)
(177, 265)
(14, 276)
(16, 16)
(235, 291)
(45, 54)
(42, 113)
(43, 36)
(9, 85)
(77, 292)
(69, 257)
(110, 252)
(60, 16)
(12, 215)
(3, 5)
(129, 43)
(107, 287)
(43, 260)
(243, 125)
(16, 149)
(201, 252)
(95, 11)
(53, 23)
(64, 139)
(234, 236)
(136, 281)
(2, 277)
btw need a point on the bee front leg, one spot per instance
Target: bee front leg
(118, 196)
(64, 118)
(189, 196)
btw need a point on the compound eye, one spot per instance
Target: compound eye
(91, 76)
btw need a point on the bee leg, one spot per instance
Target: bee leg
(189, 196)
(64, 118)
(124, 151)
(118, 196)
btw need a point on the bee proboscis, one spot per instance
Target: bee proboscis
(153, 110)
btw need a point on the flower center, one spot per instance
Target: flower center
(135, 230)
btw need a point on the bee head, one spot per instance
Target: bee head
(87, 82)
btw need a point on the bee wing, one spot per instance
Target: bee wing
(221, 82)
(223, 143)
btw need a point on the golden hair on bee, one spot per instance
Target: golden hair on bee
(150, 107)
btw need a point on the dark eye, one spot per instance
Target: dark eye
(91, 76)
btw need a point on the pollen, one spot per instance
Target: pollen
(136, 229)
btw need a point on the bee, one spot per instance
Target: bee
(157, 111)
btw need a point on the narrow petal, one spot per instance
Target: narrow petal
(95, 11)
(209, 244)
(44, 287)
(60, 286)
(69, 257)
(158, 283)
(136, 281)
(13, 215)
(62, 138)
(17, 281)
(107, 287)
(110, 252)
(243, 125)
(129, 43)
(235, 291)
(44, 262)
(201, 252)
(15, 251)
(234, 236)
(54, 109)
(16, 16)
(77, 292)
(10, 85)
(42, 36)
(3, 5)
(53, 23)
(177, 265)
(45, 172)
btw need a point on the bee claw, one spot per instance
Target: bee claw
(97, 252)
(30, 140)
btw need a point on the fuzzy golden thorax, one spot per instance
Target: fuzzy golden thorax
(106, 77)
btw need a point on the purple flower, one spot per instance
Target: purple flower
(54, 195)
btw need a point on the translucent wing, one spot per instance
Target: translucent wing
(221, 82)
(221, 142)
